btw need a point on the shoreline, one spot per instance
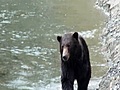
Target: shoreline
(111, 44)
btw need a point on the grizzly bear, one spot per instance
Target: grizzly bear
(75, 61)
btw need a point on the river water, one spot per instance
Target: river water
(29, 52)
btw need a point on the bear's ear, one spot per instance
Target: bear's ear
(59, 38)
(75, 35)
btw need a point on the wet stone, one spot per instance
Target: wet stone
(3, 71)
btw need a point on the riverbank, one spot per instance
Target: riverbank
(111, 44)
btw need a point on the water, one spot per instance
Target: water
(29, 52)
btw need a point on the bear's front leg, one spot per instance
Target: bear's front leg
(83, 83)
(67, 84)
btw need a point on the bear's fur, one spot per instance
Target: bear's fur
(75, 62)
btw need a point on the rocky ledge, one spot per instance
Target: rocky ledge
(111, 44)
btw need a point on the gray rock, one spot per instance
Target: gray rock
(111, 41)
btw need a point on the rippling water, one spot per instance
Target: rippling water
(29, 52)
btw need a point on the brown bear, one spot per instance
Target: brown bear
(75, 61)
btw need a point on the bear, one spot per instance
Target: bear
(75, 61)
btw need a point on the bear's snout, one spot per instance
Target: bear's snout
(64, 58)
(65, 54)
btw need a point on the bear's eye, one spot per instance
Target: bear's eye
(68, 45)
(62, 46)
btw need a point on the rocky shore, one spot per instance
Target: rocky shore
(111, 43)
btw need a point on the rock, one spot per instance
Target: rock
(111, 41)
(3, 71)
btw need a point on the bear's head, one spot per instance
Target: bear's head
(68, 45)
